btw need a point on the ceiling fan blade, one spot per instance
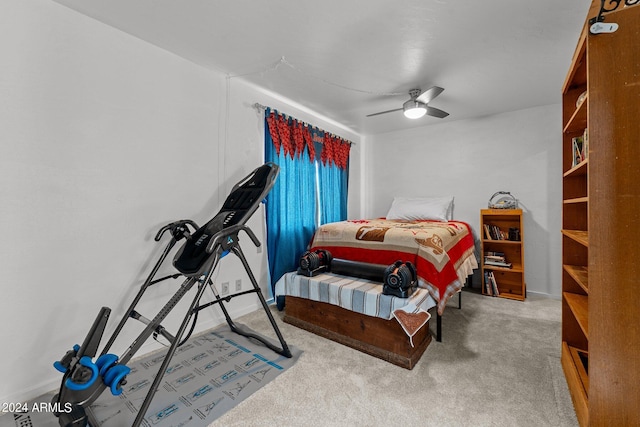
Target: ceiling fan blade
(384, 112)
(429, 94)
(436, 112)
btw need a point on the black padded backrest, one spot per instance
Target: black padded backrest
(247, 195)
(247, 191)
(243, 201)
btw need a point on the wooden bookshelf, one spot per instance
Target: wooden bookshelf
(601, 222)
(509, 281)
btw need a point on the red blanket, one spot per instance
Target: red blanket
(437, 249)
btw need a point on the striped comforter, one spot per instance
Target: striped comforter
(359, 295)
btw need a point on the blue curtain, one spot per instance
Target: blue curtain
(308, 192)
(333, 185)
(290, 209)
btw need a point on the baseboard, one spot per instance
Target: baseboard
(544, 295)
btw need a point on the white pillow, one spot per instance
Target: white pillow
(434, 208)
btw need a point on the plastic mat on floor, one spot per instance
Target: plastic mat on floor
(208, 376)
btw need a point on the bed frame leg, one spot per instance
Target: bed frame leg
(439, 319)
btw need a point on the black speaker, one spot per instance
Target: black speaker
(514, 234)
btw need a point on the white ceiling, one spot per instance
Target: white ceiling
(342, 58)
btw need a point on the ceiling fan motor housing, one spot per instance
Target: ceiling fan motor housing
(414, 93)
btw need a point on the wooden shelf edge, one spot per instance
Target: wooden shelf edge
(579, 236)
(508, 295)
(582, 371)
(578, 119)
(501, 212)
(496, 268)
(579, 306)
(576, 200)
(580, 274)
(508, 242)
(576, 386)
(579, 169)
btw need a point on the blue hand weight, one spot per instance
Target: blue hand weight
(106, 361)
(114, 376)
(59, 366)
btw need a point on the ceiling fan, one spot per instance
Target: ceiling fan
(418, 106)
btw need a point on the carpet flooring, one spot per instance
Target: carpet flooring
(497, 365)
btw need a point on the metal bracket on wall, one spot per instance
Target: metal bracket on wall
(602, 28)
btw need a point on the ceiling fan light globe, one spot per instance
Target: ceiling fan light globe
(415, 111)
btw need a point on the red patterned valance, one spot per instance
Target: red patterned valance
(335, 150)
(293, 136)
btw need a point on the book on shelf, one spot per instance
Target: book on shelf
(487, 232)
(502, 264)
(577, 144)
(493, 232)
(491, 287)
(494, 284)
(487, 284)
(494, 254)
(496, 259)
(585, 144)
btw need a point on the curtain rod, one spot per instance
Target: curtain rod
(259, 106)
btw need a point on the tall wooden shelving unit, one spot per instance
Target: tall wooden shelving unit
(601, 224)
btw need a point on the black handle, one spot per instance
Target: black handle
(178, 229)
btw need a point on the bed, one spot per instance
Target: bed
(354, 311)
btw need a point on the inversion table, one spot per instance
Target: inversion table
(84, 380)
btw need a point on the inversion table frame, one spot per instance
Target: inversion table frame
(84, 380)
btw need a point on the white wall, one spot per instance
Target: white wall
(104, 139)
(471, 159)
